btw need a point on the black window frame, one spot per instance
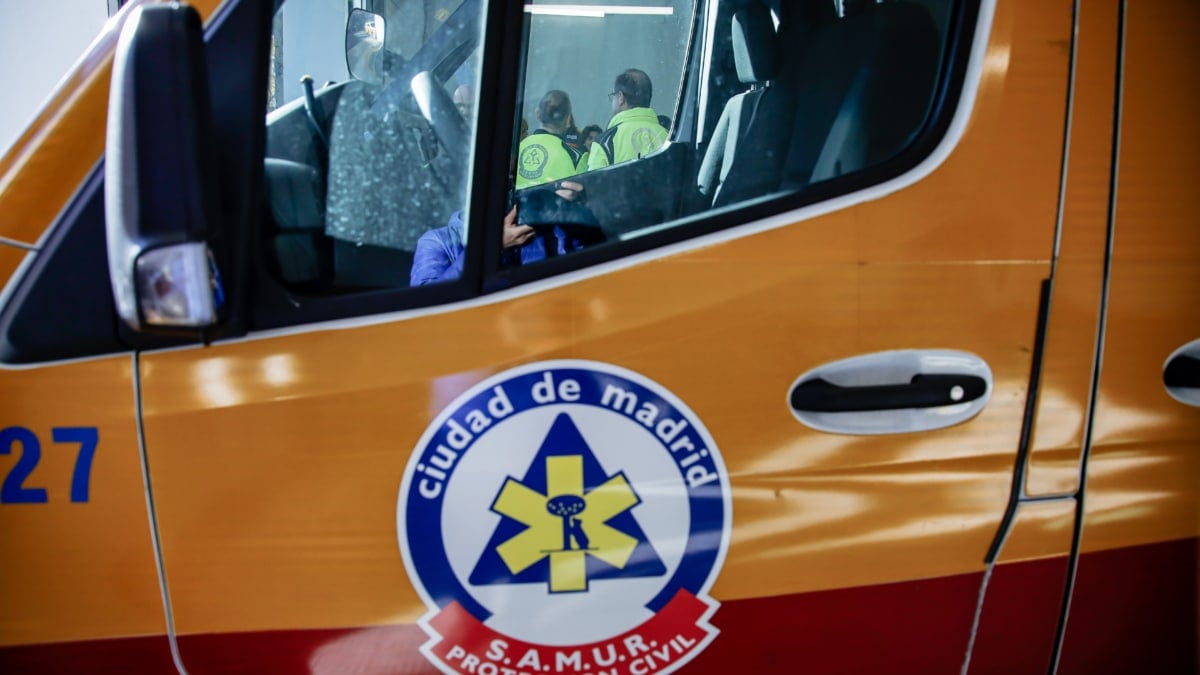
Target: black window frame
(947, 95)
(237, 43)
(501, 63)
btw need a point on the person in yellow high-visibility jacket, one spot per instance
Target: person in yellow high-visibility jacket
(544, 155)
(634, 130)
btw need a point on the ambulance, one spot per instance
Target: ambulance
(885, 360)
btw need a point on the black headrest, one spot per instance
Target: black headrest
(755, 44)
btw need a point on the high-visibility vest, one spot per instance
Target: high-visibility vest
(631, 134)
(544, 157)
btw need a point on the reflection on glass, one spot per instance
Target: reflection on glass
(630, 119)
(365, 163)
(589, 91)
(366, 57)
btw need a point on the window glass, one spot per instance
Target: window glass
(600, 87)
(372, 113)
(632, 118)
(787, 95)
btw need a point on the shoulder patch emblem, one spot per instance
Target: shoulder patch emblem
(643, 142)
(565, 516)
(533, 161)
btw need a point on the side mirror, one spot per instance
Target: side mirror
(160, 174)
(367, 58)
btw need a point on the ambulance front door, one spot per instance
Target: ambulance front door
(773, 433)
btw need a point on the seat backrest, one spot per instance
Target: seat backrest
(869, 103)
(296, 201)
(388, 182)
(756, 57)
(852, 94)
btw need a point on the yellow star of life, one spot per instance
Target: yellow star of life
(546, 534)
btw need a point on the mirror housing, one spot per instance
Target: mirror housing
(160, 174)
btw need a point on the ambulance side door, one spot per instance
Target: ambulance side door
(855, 343)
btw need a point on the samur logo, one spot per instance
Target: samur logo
(533, 161)
(565, 517)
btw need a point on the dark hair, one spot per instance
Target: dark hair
(555, 108)
(589, 129)
(635, 86)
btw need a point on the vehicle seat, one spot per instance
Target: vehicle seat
(756, 59)
(387, 185)
(296, 200)
(864, 108)
(854, 93)
(305, 257)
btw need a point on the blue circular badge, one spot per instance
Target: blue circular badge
(565, 512)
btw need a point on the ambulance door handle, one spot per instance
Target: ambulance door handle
(1181, 374)
(892, 392)
(923, 391)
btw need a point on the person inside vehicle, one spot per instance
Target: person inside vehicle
(589, 134)
(571, 135)
(464, 100)
(545, 155)
(634, 131)
(440, 251)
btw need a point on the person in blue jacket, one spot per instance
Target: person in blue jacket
(440, 251)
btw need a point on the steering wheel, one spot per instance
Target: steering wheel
(543, 210)
(438, 109)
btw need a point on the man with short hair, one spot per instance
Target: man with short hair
(634, 131)
(545, 155)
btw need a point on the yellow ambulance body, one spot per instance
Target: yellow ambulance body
(930, 408)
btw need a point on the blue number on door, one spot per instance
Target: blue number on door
(14, 491)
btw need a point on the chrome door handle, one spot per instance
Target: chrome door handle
(922, 391)
(1181, 374)
(892, 392)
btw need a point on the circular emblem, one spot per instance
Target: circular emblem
(565, 516)
(642, 141)
(533, 161)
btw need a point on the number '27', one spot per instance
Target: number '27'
(14, 490)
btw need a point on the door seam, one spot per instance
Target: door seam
(153, 518)
(1098, 362)
(1017, 494)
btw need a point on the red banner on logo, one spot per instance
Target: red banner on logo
(660, 645)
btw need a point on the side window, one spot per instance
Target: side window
(601, 87)
(630, 119)
(657, 117)
(369, 131)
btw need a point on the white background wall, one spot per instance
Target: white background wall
(39, 41)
